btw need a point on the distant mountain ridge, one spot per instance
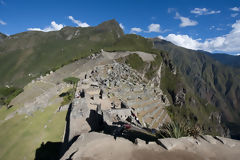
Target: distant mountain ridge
(212, 78)
(231, 60)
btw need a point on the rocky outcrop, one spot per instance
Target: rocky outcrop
(100, 146)
(179, 99)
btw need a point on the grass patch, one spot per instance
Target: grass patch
(71, 80)
(7, 94)
(134, 61)
(4, 111)
(21, 136)
(130, 42)
(67, 96)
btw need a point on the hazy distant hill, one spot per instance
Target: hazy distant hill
(227, 59)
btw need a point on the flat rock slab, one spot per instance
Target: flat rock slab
(101, 146)
(95, 146)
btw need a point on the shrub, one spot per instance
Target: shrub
(71, 80)
(67, 96)
(7, 94)
(177, 130)
(172, 130)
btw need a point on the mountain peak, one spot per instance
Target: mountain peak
(110, 22)
(111, 25)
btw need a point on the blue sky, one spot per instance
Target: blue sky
(211, 25)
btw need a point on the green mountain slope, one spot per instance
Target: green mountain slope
(209, 79)
(26, 55)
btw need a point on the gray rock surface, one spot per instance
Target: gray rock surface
(100, 146)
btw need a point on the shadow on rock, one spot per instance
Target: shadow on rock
(95, 121)
(49, 151)
(97, 124)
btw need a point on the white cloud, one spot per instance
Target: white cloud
(135, 29)
(53, 27)
(122, 26)
(203, 11)
(79, 23)
(185, 21)
(182, 40)
(225, 43)
(154, 28)
(234, 14)
(35, 29)
(236, 9)
(2, 22)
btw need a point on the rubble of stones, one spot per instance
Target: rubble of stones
(109, 94)
(94, 56)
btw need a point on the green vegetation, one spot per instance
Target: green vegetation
(130, 42)
(7, 94)
(22, 135)
(4, 112)
(172, 130)
(208, 82)
(154, 66)
(195, 116)
(134, 61)
(71, 80)
(50, 51)
(170, 83)
(67, 96)
(177, 130)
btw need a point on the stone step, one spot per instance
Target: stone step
(157, 116)
(148, 120)
(158, 122)
(149, 117)
(147, 107)
(139, 103)
(164, 119)
(151, 114)
(130, 95)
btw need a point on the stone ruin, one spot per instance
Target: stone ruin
(116, 93)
